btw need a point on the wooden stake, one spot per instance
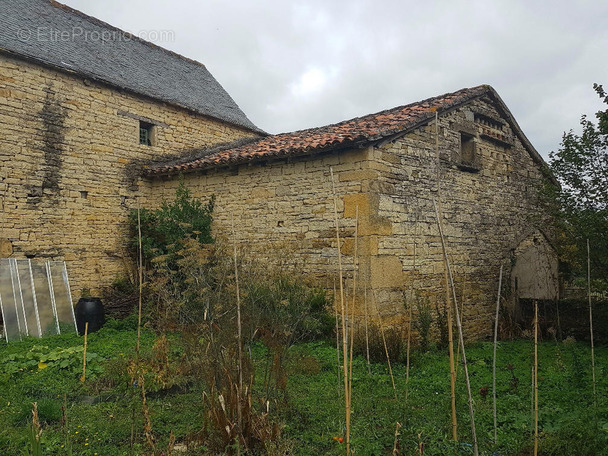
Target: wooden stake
(591, 326)
(84, 352)
(239, 330)
(494, 362)
(342, 304)
(388, 359)
(461, 337)
(535, 378)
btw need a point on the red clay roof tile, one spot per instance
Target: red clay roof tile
(347, 134)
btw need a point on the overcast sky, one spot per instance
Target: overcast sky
(291, 65)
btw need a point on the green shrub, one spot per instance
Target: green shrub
(164, 230)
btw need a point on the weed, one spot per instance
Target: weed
(394, 343)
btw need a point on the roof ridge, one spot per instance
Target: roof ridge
(485, 88)
(101, 23)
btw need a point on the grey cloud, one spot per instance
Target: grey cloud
(365, 56)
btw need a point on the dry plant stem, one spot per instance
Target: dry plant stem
(141, 282)
(352, 312)
(388, 359)
(337, 336)
(396, 442)
(464, 280)
(460, 335)
(342, 305)
(452, 371)
(407, 353)
(409, 323)
(591, 326)
(84, 352)
(451, 352)
(535, 378)
(369, 368)
(350, 361)
(146, 414)
(494, 361)
(239, 329)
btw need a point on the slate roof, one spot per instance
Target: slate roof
(358, 132)
(96, 50)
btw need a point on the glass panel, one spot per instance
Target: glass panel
(44, 300)
(27, 297)
(10, 313)
(63, 298)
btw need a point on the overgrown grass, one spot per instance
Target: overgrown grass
(311, 412)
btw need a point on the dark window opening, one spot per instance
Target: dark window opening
(467, 148)
(469, 155)
(145, 133)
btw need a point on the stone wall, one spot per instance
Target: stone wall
(282, 210)
(69, 149)
(487, 200)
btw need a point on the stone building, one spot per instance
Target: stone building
(81, 104)
(90, 128)
(462, 152)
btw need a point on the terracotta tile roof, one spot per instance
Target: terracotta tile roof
(357, 132)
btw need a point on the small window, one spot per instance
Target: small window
(468, 157)
(145, 133)
(467, 148)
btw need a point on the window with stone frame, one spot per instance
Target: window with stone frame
(146, 133)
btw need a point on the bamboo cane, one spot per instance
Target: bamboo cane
(239, 329)
(464, 280)
(409, 323)
(352, 313)
(407, 353)
(452, 372)
(84, 352)
(591, 326)
(494, 362)
(460, 334)
(532, 395)
(342, 304)
(535, 378)
(141, 281)
(337, 335)
(388, 359)
(369, 368)
(451, 353)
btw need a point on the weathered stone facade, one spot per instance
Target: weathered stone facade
(90, 129)
(69, 154)
(488, 202)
